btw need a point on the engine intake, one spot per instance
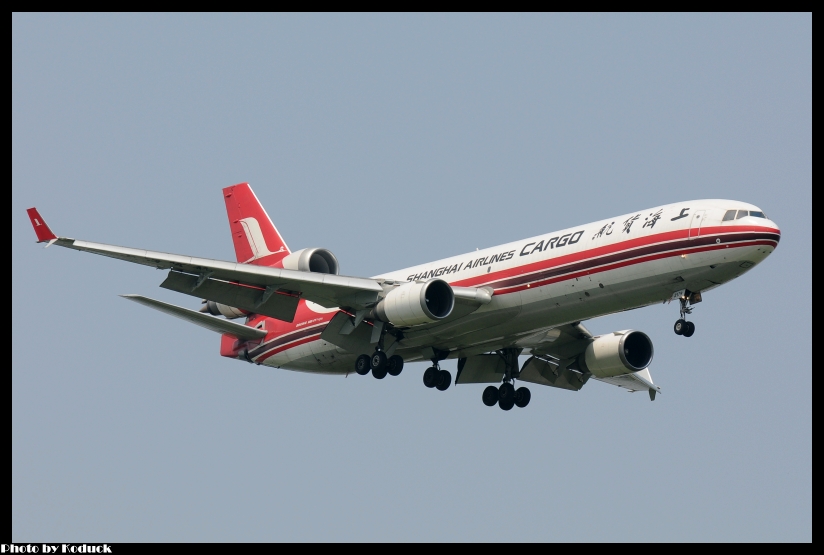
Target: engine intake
(618, 353)
(416, 303)
(317, 260)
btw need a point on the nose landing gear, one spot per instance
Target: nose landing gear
(682, 326)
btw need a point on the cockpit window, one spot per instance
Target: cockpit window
(728, 215)
(757, 214)
(742, 214)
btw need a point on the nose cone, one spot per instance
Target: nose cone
(758, 217)
(775, 229)
(772, 235)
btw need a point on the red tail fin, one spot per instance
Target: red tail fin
(256, 238)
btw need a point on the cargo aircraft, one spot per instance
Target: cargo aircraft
(485, 308)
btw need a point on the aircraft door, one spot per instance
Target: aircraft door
(696, 222)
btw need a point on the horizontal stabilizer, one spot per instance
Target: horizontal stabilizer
(203, 320)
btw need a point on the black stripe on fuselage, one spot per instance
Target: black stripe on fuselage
(283, 339)
(629, 254)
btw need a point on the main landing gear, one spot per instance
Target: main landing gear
(682, 327)
(379, 364)
(505, 395)
(437, 378)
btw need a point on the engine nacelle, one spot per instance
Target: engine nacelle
(417, 303)
(618, 353)
(217, 309)
(321, 261)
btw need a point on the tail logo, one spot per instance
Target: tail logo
(256, 240)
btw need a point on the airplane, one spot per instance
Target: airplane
(485, 308)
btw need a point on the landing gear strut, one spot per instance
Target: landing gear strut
(506, 396)
(682, 327)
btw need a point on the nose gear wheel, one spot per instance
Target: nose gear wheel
(682, 326)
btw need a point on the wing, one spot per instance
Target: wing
(245, 286)
(273, 292)
(554, 362)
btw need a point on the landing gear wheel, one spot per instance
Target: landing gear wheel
(506, 396)
(444, 381)
(430, 377)
(394, 365)
(378, 361)
(522, 397)
(379, 373)
(362, 365)
(689, 329)
(490, 396)
(680, 326)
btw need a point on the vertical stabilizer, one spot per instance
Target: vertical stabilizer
(256, 238)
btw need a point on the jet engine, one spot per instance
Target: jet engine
(217, 309)
(618, 353)
(416, 303)
(321, 261)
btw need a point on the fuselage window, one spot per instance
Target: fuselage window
(742, 214)
(728, 215)
(757, 214)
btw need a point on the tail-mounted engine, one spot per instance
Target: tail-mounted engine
(618, 353)
(321, 261)
(416, 303)
(217, 309)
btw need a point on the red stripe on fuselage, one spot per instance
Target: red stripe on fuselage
(629, 262)
(669, 236)
(522, 274)
(286, 346)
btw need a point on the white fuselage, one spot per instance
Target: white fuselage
(616, 264)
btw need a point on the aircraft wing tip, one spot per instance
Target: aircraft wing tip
(41, 229)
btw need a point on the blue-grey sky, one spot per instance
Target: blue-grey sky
(393, 140)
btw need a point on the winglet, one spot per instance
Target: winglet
(42, 230)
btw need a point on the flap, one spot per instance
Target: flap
(489, 368)
(541, 372)
(636, 381)
(358, 340)
(252, 299)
